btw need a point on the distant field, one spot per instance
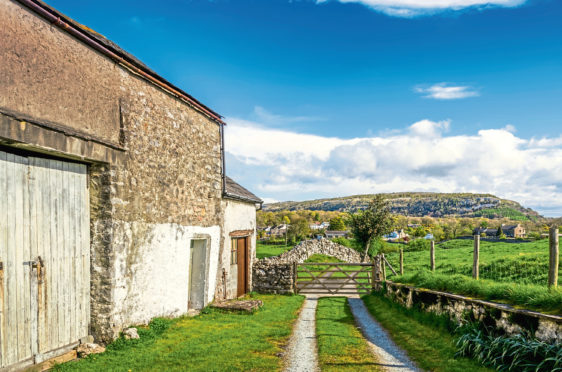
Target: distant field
(515, 273)
(266, 250)
(523, 263)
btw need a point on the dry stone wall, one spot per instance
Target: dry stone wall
(460, 309)
(276, 274)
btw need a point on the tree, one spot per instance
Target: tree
(371, 223)
(298, 230)
(337, 223)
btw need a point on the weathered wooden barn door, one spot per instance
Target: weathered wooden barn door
(44, 247)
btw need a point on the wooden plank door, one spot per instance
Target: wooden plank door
(242, 257)
(45, 255)
(15, 256)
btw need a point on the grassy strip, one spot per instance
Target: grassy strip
(524, 295)
(265, 250)
(427, 338)
(341, 347)
(213, 341)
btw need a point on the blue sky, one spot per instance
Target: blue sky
(337, 77)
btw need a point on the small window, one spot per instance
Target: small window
(233, 251)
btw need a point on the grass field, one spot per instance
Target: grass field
(266, 250)
(341, 347)
(427, 338)
(213, 341)
(522, 263)
(515, 273)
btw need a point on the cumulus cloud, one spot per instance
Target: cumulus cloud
(286, 165)
(445, 91)
(413, 8)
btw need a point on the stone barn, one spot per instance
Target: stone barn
(112, 191)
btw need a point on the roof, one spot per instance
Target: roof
(234, 191)
(113, 51)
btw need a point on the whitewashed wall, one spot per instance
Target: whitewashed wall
(152, 269)
(237, 216)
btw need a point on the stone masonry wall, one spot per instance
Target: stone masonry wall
(276, 274)
(460, 309)
(164, 191)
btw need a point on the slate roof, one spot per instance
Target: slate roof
(234, 191)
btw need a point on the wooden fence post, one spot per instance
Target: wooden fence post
(432, 255)
(295, 275)
(401, 261)
(476, 263)
(373, 273)
(383, 268)
(554, 257)
(377, 269)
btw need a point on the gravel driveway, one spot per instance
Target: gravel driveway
(390, 356)
(302, 351)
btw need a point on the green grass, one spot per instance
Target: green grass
(428, 339)
(527, 296)
(341, 347)
(522, 263)
(266, 250)
(515, 273)
(213, 341)
(512, 214)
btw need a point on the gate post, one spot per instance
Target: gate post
(554, 257)
(476, 257)
(295, 277)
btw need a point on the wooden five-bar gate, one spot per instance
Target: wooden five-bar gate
(334, 278)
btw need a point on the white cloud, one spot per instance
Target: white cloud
(286, 165)
(413, 8)
(445, 91)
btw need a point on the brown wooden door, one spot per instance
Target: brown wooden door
(242, 256)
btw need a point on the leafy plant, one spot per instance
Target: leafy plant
(503, 353)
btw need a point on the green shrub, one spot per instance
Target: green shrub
(417, 245)
(502, 353)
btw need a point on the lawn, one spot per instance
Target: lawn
(267, 250)
(212, 341)
(341, 347)
(515, 273)
(427, 338)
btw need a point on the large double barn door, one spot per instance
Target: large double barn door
(45, 257)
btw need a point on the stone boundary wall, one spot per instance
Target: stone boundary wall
(276, 274)
(307, 248)
(460, 309)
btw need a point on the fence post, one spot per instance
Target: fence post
(554, 257)
(401, 261)
(295, 275)
(377, 268)
(373, 273)
(475, 264)
(383, 268)
(432, 255)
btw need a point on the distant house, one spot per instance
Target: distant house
(330, 234)
(428, 237)
(395, 235)
(279, 230)
(319, 226)
(510, 231)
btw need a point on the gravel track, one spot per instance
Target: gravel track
(302, 352)
(390, 356)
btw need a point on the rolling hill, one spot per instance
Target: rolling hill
(418, 204)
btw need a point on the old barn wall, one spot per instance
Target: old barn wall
(238, 216)
(155, 172)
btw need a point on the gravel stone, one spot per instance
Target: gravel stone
(390, 356)
(301, 355)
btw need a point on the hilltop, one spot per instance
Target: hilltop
(419, 204)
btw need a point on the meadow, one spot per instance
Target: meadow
(515, 273)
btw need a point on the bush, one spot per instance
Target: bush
(503, 353)
(342, 241)
(417, 245)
